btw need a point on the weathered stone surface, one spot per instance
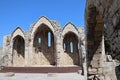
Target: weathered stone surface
(102, 13)
(100, 70)
(93, 71)
(45, 44)
(35, 50)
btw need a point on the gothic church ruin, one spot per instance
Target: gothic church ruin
(45, 44)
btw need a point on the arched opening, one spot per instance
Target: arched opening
(49, 39)
(43, 46)
(70, 45)
(95, 25)
(64, 46)
(18, 55)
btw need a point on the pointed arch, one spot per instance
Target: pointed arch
(18, 51)
(16, 32)
(42, 21)
(17, 42)
(69, 27)
(43, 44)
(70, 43)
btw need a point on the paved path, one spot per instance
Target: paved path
(37, 76)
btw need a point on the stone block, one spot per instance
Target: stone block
(100, 70)
(95, 64)
(93, 71)
(91, 77)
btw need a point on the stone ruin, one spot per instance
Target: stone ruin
(45, 44)
(100, 15)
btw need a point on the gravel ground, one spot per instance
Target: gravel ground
(36, 76)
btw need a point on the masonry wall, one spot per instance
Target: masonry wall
(100, 14)
(110, 12)
(33, 48)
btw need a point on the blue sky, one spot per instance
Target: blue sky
(14, 13)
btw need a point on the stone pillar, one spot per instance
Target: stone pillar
(5, 53)
(31, 52)
(58, 46)
(11, 53)
(58, 50)
(26, 51)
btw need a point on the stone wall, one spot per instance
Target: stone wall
(45, 44)
(100, 14)
(18, 51)
(109, 11)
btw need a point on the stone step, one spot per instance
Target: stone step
(40, 69)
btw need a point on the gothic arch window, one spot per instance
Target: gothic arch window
(70, 46)
(18, 55)
(43, 45)
(64, 46)
(49, 39)
(39, 40)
